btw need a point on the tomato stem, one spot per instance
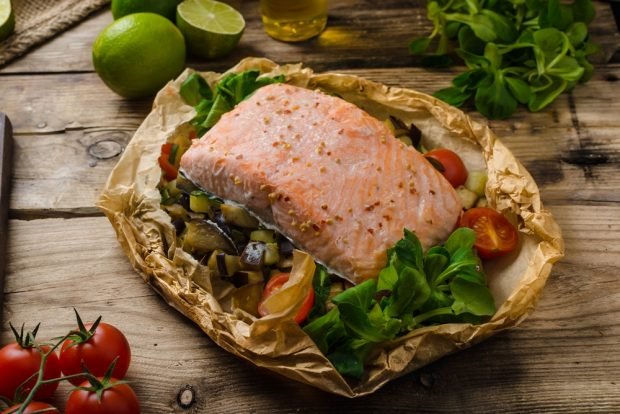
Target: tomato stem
(40, 380)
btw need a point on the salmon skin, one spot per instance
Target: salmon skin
(325, 174)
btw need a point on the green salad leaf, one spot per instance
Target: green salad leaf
(414, 289)
(524, 52)
(211, 104)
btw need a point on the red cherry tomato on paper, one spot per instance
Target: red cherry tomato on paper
(116, 399)
(275, 284)
(453, 168)
(96, 353)
(495, 235)
(18, 363)
(34, 406)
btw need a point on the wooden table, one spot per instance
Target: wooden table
(70, 130)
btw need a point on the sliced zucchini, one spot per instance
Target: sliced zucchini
(468, 198)
(238, 216)
(272, 254)
(246, 277)
(185, 185)
(171, 186)
(265, 236)
(476, 182)
(203, 237)
(200, 202)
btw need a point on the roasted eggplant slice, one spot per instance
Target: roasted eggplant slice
(238, 216)
(253, 256)
(204, 236)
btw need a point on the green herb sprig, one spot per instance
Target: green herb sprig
(516, 51)
(415, 289)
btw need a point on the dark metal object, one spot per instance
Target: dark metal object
(6, 155)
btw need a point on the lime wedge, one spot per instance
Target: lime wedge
(7, 19)
(211, 29)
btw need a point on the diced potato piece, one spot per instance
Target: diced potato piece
(476, 182)
(238, 216)
(266, 236)
(468, 198)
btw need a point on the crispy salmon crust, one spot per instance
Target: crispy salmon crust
(325, 174)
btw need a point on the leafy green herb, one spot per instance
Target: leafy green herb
(210, 104)
(516, 51)
(445, 284)
(321, 285)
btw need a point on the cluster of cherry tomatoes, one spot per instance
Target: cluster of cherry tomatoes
(95, 358)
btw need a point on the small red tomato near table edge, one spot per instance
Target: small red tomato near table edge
(33, 407)
(95, 346)
(114, 399)
(22, 359)
(275, 284)
(453, 168)
(495, 235)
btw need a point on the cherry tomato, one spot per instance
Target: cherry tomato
(18, 363)
(34, 406)
(115, 399)
(495, 235)
(96, 353)
(169, 168)
(453, 168)
(275, 284)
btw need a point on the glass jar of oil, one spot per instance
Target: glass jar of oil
(293, 20)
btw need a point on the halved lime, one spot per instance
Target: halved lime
(211, 29)
(7, 19)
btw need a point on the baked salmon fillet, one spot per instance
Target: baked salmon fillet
(325, 174)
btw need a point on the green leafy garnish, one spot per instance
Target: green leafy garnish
(210, 104)
(414, 289)
(517, 51)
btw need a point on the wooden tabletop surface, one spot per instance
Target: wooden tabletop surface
(62, 253)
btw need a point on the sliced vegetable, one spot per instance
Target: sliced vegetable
(200, 202)
(169, 169)
(266, 236)
(476, 182)
(253, 256)
(238, 216)
(272, 256)
(203, 236)
(495, 235)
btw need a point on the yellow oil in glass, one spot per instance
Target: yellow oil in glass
(294, 20)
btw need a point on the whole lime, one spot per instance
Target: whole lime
(137, 54)
(166, 8)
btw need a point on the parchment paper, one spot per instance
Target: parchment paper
(131, 202)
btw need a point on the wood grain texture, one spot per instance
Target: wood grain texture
(562, 359)
(87, 131)
(360, 33)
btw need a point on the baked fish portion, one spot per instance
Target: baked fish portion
(325, 174)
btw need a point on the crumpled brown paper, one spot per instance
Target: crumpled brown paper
(131, 202)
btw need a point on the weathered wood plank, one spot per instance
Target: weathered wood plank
(6, 162)
(564, 358)
(360, 33)
(571, 148)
